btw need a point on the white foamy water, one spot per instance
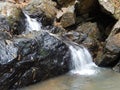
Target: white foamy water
(32, 24)
(81, 62)
(81, 59)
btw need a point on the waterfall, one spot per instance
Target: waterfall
(32, 24)
(81, 61)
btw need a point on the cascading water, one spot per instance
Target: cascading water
(32, 24)
(81, 62)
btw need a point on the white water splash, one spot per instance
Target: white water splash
(81, 61)
(32, 24)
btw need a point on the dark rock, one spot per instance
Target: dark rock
(63, 3)
(105, 22)
(117, 67)
(86, 6)
(31, 58)
(111, 53)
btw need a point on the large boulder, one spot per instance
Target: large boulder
(30, 58)
(111, 52)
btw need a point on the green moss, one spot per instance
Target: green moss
(43, 52)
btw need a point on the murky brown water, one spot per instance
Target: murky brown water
(103, 80)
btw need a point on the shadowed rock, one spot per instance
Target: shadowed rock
(111, 52)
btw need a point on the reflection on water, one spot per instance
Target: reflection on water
(103, 80)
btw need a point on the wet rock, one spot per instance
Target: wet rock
(111, 53)
(5, 35)
(4, 25)
(27, 59)
(11, 52)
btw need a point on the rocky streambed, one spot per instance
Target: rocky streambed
(29, 57)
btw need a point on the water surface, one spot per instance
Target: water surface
(105, 79)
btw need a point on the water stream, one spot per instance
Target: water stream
(32, 24)
(85, 74)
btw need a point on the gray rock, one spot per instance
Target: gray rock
(30, 58)
(4, 25)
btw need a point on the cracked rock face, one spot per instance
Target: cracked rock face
(36, 57)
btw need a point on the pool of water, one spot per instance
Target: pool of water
(104, 79)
